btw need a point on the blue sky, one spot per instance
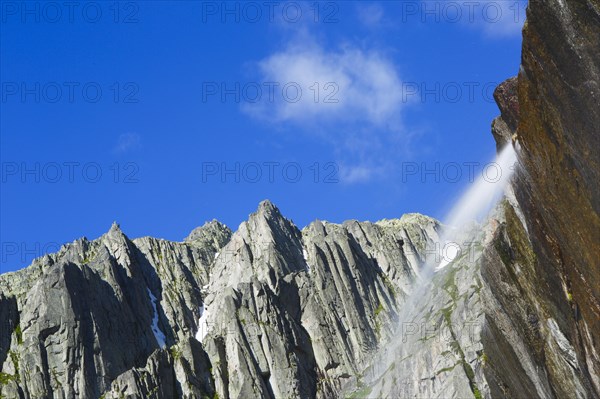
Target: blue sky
(164, 115)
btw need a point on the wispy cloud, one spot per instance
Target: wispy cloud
(371, 15)
(349, 96)
(318, 86)
(127, 142)
(351, 174)
(495, 18)
(498, 18)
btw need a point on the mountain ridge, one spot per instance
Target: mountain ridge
(176, 280)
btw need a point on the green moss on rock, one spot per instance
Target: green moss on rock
(19, 334)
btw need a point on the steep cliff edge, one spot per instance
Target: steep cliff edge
(536, 312)
(552, 109)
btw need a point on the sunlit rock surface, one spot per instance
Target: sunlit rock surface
(287, 313)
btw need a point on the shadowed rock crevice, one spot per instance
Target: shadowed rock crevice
(9, 322)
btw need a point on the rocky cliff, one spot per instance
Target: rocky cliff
(268, 311)
(552, 110)
(329, 311)
(536, 313)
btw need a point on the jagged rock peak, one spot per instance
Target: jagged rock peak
(410, 219)
(115, 227)
(268, 221)
(208, 229)
(115, 232)
(267, 209)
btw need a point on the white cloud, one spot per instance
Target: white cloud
(495, 18)
(126, 142)
(357, 174)
(501, 18)
(348, 85)
(357, 109)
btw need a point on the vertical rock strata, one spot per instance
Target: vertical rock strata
(267, 311)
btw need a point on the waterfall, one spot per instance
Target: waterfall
(472, 206)
(475, 204)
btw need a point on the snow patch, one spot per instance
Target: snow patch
(202, 324)
(217, 255)
(305, 254)
(158, 334)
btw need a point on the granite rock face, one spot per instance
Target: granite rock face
(557, 187)
(88, 314)
(268, 311)
(481, 329)
(504, 127)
